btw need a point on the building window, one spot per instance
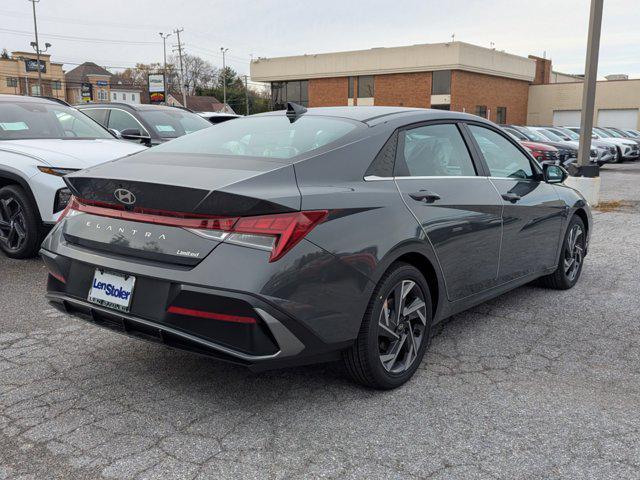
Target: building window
(12, 82)
(481, 111)
(351, 86)
(501, 115)
(124, 96)
(103, 95)
(365, 86)
(133, 97)
(441, 82)
(35, 90)
(56, 85)
(114, 96)
(296, 91)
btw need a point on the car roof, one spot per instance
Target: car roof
(8, 98)
(370, 114)
(129, 106)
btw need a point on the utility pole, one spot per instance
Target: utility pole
(177, 31)
(246, 95)
(589, 86)
(164, 69)
(224, 76)
(37, 46)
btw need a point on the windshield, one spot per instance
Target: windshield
(172, 123)
(550, 135)
(570, 133)
(613, 133)
(533, 136)
(28, 120)
(515, 133)
(602, 133)
(633, 133)
(267, 136)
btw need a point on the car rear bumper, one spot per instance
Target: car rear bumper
(304, 308)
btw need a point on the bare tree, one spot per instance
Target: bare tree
(198, 72)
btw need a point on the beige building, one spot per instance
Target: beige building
(88, 83)
(617, 103)
(19, 75)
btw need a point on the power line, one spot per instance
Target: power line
(80, 39)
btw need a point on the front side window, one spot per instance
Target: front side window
(43, 120)
(120, 120)
(441, 82)
(436, 151)
(503, 158)
(365, 86)
(266, 137)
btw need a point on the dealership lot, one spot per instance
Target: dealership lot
(536, 384)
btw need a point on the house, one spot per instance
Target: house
(198, 103)
(19, 75)
(88, 83)
(125, 92)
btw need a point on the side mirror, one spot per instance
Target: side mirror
(134, 134)
(554, 173)
(115, 132)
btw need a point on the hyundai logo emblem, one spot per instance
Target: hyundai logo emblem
(124, 196)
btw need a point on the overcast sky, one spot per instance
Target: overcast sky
(120, 33)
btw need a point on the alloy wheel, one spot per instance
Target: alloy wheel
(402, 326)
(574, 252)
(13, 231)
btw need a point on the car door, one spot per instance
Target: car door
(120, 120)
(533, 211)
(459, 210)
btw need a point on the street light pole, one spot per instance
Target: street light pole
(589, 86)
(164, 68)
(224, 77)
(35, 28)
(178, 31)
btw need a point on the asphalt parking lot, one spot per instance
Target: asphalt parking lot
(535, 384)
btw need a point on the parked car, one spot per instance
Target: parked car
(315, 234)
(633, 133)
(552, 137)
(216, 117)
(618, 133)
(543, 153)
(606, 151)
(566, 153)
(627, 149)
(41, 141)
(142, 123)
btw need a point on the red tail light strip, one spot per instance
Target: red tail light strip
(287, 228)
(189, 312)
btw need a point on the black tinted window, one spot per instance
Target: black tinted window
(365, 86)
(441, 82)
(436, 150)
(502, 157)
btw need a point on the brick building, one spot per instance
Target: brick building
(450, 76)
(19, 75)
(88, 83)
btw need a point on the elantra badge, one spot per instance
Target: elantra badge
(124, 196)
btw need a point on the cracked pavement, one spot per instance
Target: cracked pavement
(534, 384)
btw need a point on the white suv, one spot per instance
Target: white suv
(42, 140)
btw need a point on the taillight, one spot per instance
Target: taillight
(277, 233)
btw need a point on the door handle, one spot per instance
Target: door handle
(425, 196)
(511, 197)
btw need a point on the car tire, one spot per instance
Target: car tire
(571, 258)
(618, 158)
(20, 227)
(386, 352)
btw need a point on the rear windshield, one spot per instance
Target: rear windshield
(27, 120)
(266, 137)
(172, 123)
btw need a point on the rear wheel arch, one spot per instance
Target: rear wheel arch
(425, 263)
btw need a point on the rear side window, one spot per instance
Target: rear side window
(98, 114)
(272, 136)
(503, 158)
(435, 151)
